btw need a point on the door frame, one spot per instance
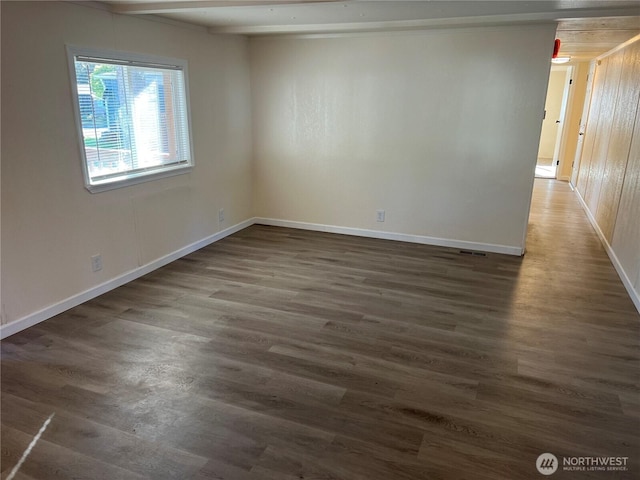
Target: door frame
(564, 102)
(557, 161)
(583, 125)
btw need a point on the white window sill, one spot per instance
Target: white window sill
(128, 180)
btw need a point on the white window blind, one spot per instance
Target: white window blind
(133, 114)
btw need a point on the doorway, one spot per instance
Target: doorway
(552, 125)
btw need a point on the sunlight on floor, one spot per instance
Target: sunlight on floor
(545, 168)
(26, 453)
(545, 171)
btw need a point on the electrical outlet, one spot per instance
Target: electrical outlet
(380, 216)
(96, 263)
(221, 215)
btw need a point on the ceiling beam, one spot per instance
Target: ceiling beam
(606, 23)
(146, 8)
(448, 22)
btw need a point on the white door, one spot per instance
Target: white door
(583, 125)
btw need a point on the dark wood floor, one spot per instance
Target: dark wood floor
(286, 354)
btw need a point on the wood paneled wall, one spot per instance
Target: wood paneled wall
(609, 175)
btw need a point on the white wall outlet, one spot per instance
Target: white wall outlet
(96, 263)
(380, 215)
(221, 215)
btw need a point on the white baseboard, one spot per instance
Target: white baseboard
(626, 281)
(401, 237)
(75, 300)
(57, 308)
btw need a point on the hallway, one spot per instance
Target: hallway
(289, 354)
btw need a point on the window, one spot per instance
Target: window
(132, 115)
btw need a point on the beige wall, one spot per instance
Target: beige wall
(431, 126)
(609, 175)
(439, 128)
(51, 225)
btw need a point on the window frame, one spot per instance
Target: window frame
(144, 60)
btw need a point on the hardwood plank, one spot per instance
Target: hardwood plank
(122, 449)
(287, 354)
(49, 460)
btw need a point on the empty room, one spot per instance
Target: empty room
(318, 239)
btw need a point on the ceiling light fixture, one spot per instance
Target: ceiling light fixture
(564, 59)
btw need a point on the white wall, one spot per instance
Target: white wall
(440, 128)
(609, 175)
(51, 225)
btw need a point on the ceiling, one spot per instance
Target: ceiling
(586, 28)
(586, 38)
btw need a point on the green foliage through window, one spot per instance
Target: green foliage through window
(97, 85)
